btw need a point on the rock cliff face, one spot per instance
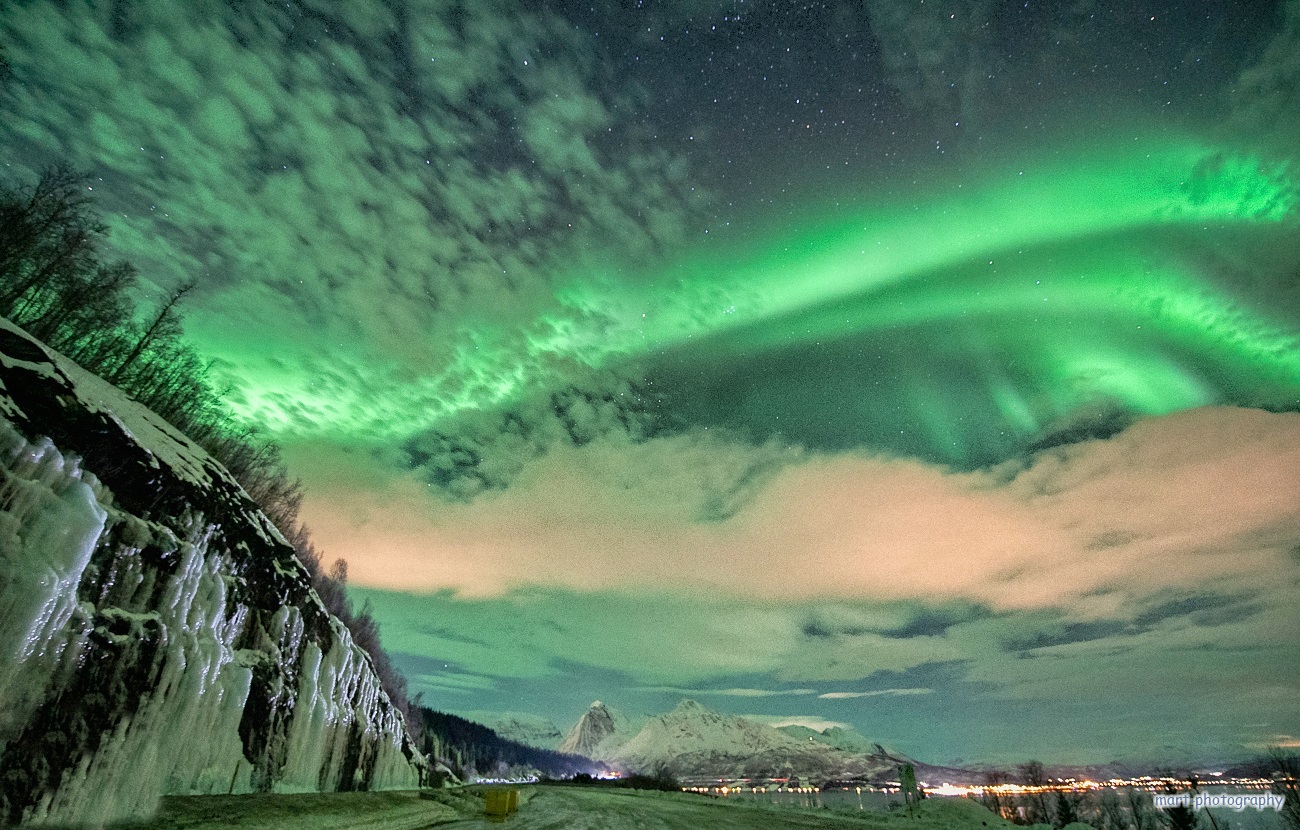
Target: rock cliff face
(597, 733)
(157, 635)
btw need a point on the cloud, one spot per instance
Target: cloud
(1266, 95)
(874, 693)
(734, 692)
(901, 622)
(1078, 577)
(483, 450)
(1198, 502)
(1178, 677)
(940, 57)
(1144, 678)
(377, 201)
(1193, 499)
(440, 677)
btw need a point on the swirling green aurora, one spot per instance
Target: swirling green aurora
(955, 322)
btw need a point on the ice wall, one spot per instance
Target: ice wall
(157, 635)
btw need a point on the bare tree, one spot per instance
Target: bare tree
(53, 283)
(1286, 783)
(1034, 775)
(166, 323)
(43, 232)
(1113, 816)
(992, 799)
(91, 300)
(1140, 807)
(1181, 817)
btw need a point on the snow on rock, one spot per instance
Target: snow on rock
(598, 733)
(694, 731)
(157, 635)
(522, 727)
(693, 742)
(837, 736)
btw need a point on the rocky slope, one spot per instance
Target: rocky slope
(598, 733)
(157, 635)
(694, 742)
(836, 736)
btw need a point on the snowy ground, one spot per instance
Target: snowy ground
(403, 810)
(541, 808)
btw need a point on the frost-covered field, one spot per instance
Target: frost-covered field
(543, 808)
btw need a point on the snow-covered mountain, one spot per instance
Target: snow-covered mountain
(157, 634)
(598, 733)
(839, 737)
(531, 730)
(692, 741)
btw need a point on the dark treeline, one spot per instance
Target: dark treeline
(56, 284)
(470, 749)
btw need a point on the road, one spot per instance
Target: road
(541, 808)
(583, 808)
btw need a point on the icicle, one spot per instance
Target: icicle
(48, 531)
(140, 649)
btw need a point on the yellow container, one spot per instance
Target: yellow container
(501, 802)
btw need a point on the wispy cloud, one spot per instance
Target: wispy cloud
(874, 693)
(1281, 741)
(734, 692)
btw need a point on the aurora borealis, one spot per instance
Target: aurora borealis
(929, 367)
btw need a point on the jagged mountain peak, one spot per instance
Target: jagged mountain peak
(597, 733)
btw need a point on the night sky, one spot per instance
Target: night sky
(930, 367)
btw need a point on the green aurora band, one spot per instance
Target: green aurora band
(1060, 282)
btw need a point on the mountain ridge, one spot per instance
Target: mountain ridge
(528, 729)
(692, 741)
